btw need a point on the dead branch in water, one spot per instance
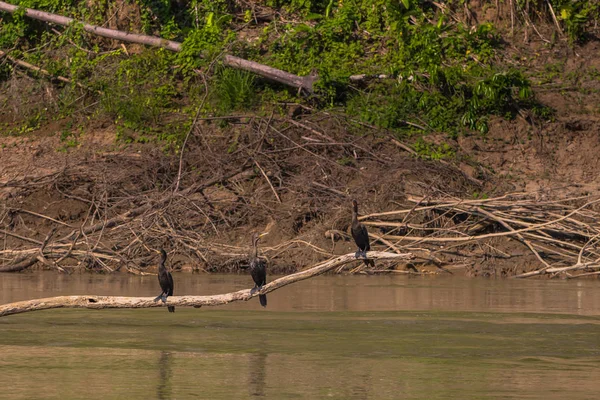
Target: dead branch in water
(562, 234)
(100, 302)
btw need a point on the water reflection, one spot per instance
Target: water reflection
(163, 390)
(410, 353)
(359, 389)
(257, 373)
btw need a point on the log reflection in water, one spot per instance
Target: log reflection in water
(257, 374)
(163, 390)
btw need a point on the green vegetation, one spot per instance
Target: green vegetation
(233, 90)
(68, 139)
(431, 151)
(441, 73)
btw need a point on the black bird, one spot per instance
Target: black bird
(166, 281)
(258, 269)
(361, 236)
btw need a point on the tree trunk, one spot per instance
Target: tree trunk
(300, 82)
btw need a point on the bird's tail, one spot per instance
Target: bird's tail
(369, 262)
(171, 308)
(263, 299)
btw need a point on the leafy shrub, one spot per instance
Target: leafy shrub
(234, 90)
(442, 75)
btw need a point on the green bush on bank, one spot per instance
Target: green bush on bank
(441, 73)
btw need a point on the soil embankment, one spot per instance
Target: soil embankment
(96, 203)
(291, 177)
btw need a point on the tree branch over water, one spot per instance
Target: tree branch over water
(100, 302)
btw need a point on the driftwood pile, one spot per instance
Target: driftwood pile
(193, 204)
(562, 234)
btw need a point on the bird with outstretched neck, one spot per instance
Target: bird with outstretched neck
(165, 279)
(258, 269)
(361, 236)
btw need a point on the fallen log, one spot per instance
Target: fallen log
(100, 302)
(277, 75)
(39, 70)
(19, 264)
(556, 270)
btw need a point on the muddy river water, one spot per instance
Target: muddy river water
(332, 337)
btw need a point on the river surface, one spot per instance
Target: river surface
(332, 337)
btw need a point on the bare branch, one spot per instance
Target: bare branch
(100, 302)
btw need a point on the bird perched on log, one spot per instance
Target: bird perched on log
(361, 236)
(258, 269)
(165, 279)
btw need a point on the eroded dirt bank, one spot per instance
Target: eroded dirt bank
(108, 206)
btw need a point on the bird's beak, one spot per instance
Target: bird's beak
(263, 234)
